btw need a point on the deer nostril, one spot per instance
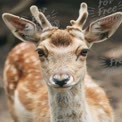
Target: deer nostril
(61, 80)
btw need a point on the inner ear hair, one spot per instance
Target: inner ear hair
(103, 28)
(23, 29)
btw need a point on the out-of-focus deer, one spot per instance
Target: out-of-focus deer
(54, 70)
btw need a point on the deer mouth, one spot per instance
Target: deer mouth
(63, 87)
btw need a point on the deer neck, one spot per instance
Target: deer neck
(69, 106)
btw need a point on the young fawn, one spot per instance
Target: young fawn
(48, 81)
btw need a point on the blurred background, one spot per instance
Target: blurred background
(60, 13)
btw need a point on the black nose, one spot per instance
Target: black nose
(61, 80)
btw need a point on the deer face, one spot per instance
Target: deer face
(63, 52)
(63, 57)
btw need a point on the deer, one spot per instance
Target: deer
(46, 77)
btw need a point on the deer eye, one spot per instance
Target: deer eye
(40, 52)
(84, 52)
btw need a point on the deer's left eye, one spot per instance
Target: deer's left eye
(84, 52)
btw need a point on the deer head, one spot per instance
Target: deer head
(63, 52)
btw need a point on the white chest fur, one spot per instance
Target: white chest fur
(23, 114)
(69, 107)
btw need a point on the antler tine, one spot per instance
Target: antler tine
(40, 18)
(83, 14)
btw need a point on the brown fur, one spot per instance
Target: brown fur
(61, 38)
(29, 84)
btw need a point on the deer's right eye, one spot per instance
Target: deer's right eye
(40, 52)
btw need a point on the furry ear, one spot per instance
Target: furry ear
(23, 29)
(103, 28)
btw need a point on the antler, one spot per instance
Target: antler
(40, 18)
(83, 14)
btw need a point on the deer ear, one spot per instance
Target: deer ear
(23, 29)
(103, 28)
